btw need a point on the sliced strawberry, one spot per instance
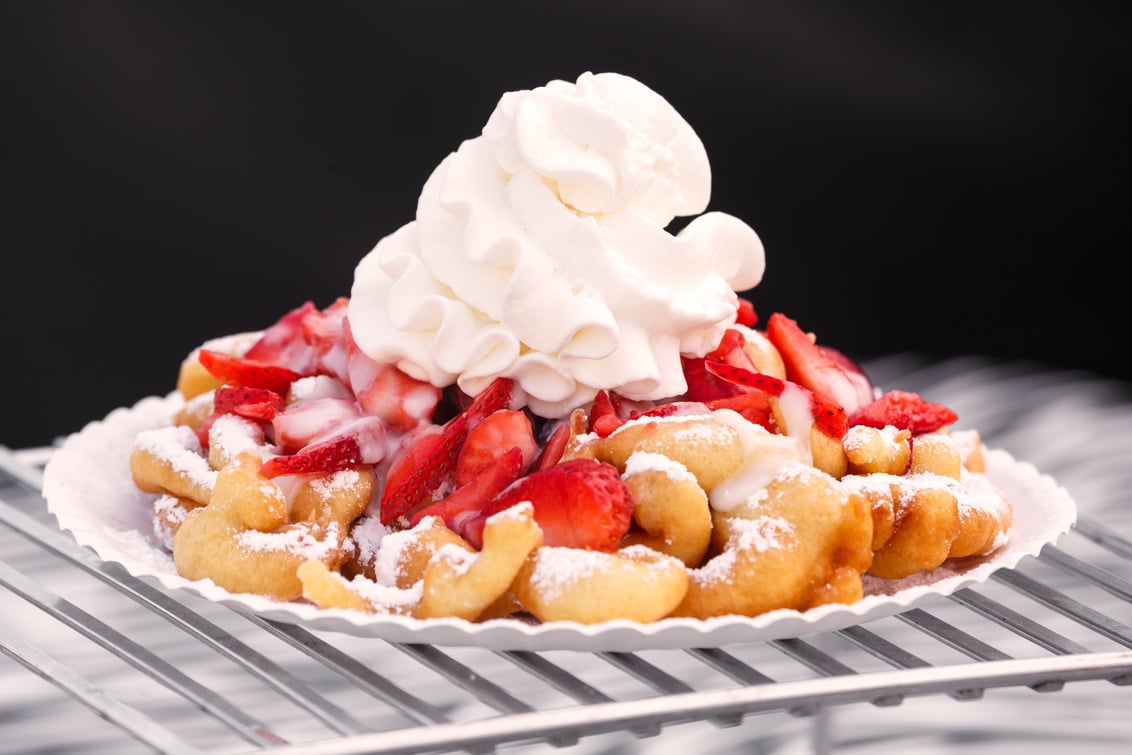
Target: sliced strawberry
(665, 410)
(332, 456)
(702, 384)
(473, 497)
(746, 314)
(359, 441)
(828, 416)
(283, 342)
(427, 459)
(252, 403)
(813, 367)
(554, 447)
(904, 410)
(753, 406)
(603, 418)
(302, 423)
(247, 372)
(495, 435)
(402, 401)
(581, 503)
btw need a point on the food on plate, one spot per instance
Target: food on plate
(539, 404)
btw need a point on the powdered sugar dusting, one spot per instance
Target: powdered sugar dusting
(646, 461)
(168, 515)
(178, 445)
(761, 534)
(557, 568)
(313, 541)
(332, 485)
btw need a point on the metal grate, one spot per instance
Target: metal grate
(173, 673)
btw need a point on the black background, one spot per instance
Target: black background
(931, 177)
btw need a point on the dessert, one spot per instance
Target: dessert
(537, 403)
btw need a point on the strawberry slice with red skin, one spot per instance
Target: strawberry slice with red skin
(428, 459)
(702, 384)
(248, 373)
(282, 343)
(904, 410)
(319, 458)
(253, 403)
(828, 416)
(471, 498)
(361, 440)
(496, 434)
(553, 449)
(581, 503)
(746, 314)
(752, 406)
(603, 418)
(815, 367)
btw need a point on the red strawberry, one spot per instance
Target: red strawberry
(828, 416)
(581, 503)
(752, 406)
(554, 447)
(333, 456)
(252, 403)
(746, 314)
(358, 441)
(248, 372)
(603, 418)
(468, 500)
(402, 401)
(495, 435)
(702, 384)
(427, 460)
(282, 343)
(814, 367)
(904, 410)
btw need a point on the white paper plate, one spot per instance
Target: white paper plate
(88, 489)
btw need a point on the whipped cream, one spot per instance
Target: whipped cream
(539, 252)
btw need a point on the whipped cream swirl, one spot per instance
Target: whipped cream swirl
(540, 252)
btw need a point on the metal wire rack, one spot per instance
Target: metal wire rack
(138, 669)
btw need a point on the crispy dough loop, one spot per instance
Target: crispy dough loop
(437, 574)
(243, 539)
(803, 542)
(589, 587)
(171, 460)
(671, 509)
(711, 450)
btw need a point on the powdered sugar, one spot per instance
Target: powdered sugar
(179, 446)
(761, 534)
(646, 461)
(313, 541)
(556, 568)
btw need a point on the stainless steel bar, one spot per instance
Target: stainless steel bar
(458, 673)
(823, 663)
(1104, 536)
(897, 656)
(137, 725)
(1108, 581)
(364, 677)
(567, 683)
(106, 637)
(180, 616)
(659, 680)
(1022, 625)
(952, 636)
(1067, 606)
(596, 719)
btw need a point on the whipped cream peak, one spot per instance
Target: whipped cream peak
(540, 252)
